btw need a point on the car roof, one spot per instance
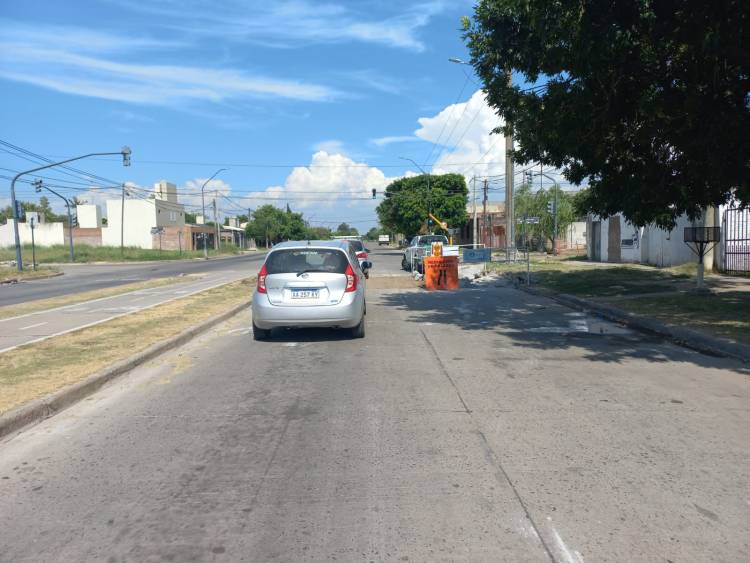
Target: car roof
(337, 244)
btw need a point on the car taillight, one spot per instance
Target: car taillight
(262, 280)
(361, 255)
(351, 279)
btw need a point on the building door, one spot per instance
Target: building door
(613, 242)
(596, 241)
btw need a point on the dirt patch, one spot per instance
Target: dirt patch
(393, 282)
(36, 370)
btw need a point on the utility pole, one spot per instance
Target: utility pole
(203, 207)
(33, 244)
(216, 224)
(554, 231)
(122, 222)
(484, 214)
(510, 238)
(474, 237)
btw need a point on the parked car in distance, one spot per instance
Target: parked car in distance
(362, 255)
(384, 240)
(310, 284)
(417, 249)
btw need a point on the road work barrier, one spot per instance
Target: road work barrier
(441, 272)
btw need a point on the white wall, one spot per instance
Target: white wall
(45, 234)
(89, 216)
(667, 248)
(140, 217)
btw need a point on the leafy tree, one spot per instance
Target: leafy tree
(645, 101)
(318, 233)
(373, 233)
(540, 204)
(190, 218)
(344, 230)
(408, 201)
(266, 224)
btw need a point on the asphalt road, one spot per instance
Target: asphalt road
(484, 424)
(87, 277)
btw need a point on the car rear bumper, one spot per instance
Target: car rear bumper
(346, 314)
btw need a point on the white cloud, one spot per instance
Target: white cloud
(63, 62)
(389, 140)
(292, 23)
(330, 179)
(462, 133)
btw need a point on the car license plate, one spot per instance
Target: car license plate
(305, 293)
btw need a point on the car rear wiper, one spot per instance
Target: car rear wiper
(309, 271)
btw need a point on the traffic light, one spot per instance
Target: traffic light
(374, 191)
(551, 207)
(529, 177)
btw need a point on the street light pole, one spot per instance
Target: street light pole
(39, 186)
(554, 209)
(203, 206)
(429, 193)
(125, 152)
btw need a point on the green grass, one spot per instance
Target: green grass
(86, 253)
(11, 273)
(723, 314)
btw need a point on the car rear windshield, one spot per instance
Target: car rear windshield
(357, 245)
(294, 261)
(430, 240)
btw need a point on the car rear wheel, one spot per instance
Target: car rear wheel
(404, 264)
(261, 333)
(359, 330)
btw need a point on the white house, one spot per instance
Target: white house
(614, 239)
(161, 209)
(45, 234)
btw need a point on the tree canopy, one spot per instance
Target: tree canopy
(344, 230)
(269, 224)
(408, 201)
(540, 204)
(646, 101)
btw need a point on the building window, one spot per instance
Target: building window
(173, 216)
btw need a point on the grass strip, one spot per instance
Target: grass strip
(36, 370)
(88, 253)
(7, 273)
(63, 300)
(724, 314)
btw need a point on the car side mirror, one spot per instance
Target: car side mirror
(366, 265)
(367, 250)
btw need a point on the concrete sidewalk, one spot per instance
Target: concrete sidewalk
(38, 326)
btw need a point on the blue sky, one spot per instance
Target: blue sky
(305, 102)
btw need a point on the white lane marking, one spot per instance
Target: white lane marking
(33, 326)
(241, 330)
(94, 323)
(570, 556)
(290, 344)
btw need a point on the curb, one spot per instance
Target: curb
(40, 409)
(150, 262)
(681, 336)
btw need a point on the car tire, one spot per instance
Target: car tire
(359, 330)
(404, 264)
(261, 333)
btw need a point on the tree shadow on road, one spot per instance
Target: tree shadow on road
(536, 323)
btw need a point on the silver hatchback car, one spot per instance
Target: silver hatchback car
(310, 284)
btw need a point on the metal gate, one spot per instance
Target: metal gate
(736, 240)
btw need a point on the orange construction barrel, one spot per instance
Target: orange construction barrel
(441, 272)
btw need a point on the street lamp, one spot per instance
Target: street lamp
(125, 152)
(203, 205)
(38, 185)
(429, 194)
